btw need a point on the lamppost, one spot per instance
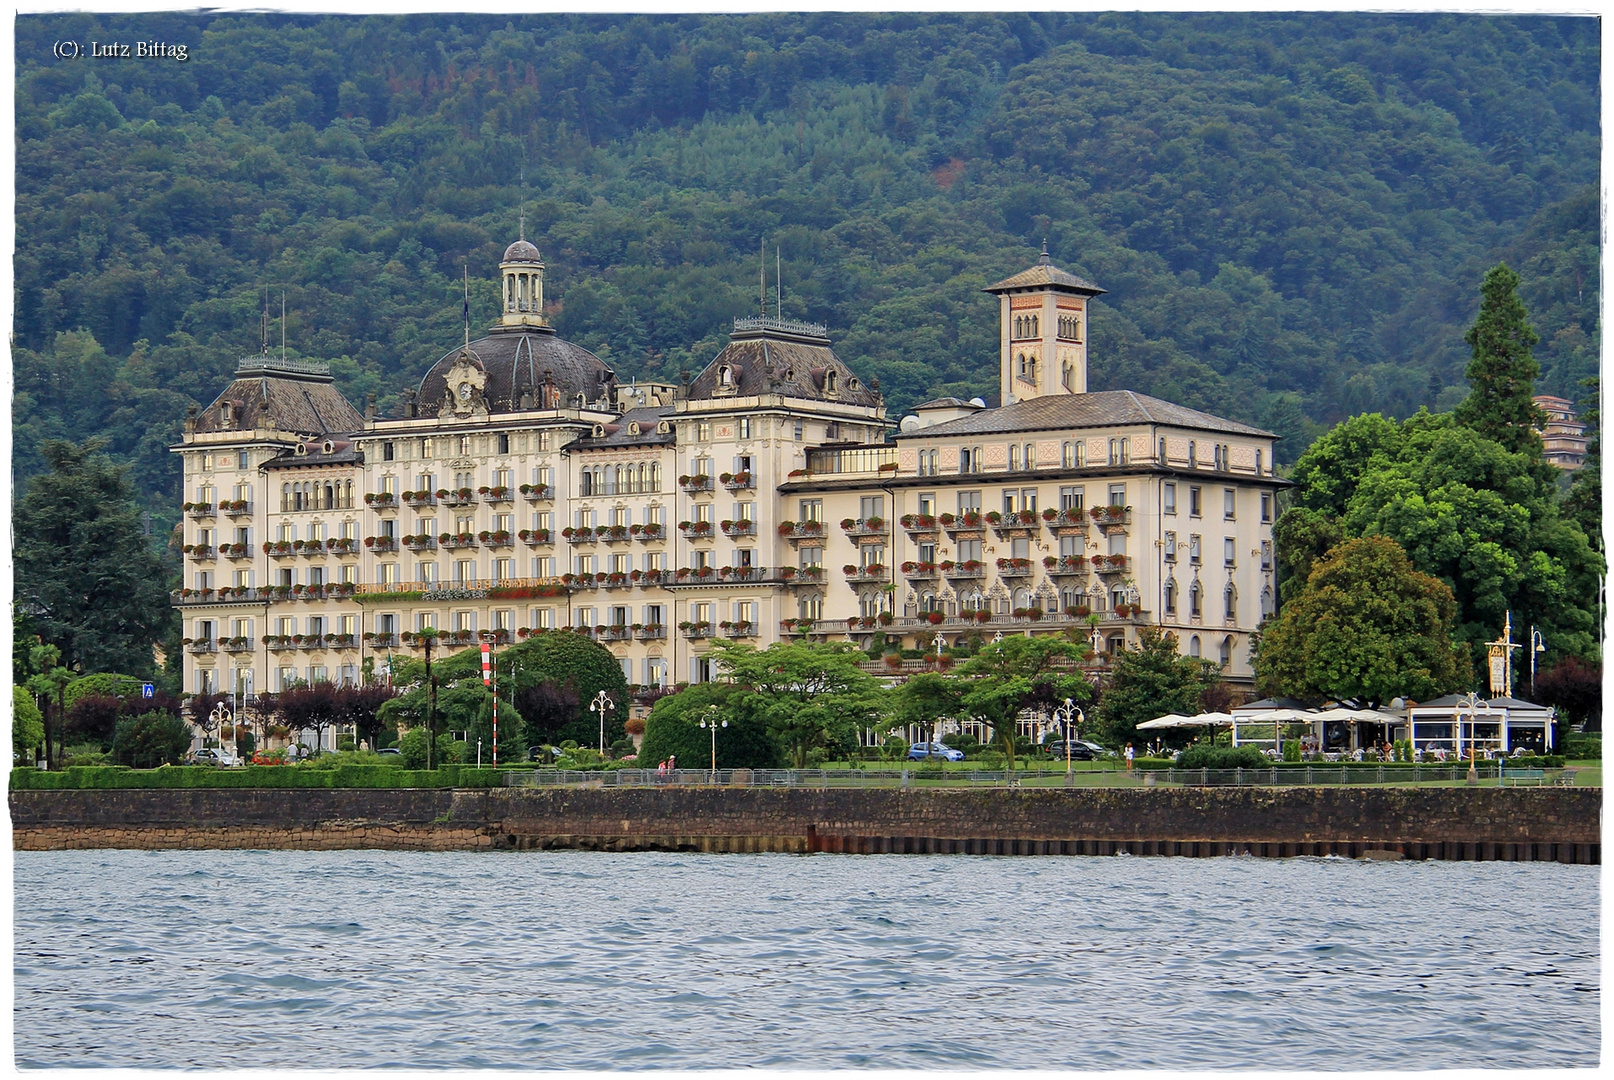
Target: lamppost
(709, 721)
(601, 704)
(1538, 644)
(1473, 708)
(221, 714)
(1069, 710)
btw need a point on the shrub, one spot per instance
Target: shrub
(150, 739)
(1222, 757)
(1583, 747)
(1291, 750)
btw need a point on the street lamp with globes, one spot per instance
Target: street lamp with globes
(1064, 716)
(709, 721)
(602, 704)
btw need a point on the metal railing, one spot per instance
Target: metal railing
(1049, 776)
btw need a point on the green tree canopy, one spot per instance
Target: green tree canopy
(85, 569)
(812, 696)
(1367, 627)
(1502, 374)
(673, 729)
(1147, 680)
(1006, 677)
(565, 661)
(27, 725)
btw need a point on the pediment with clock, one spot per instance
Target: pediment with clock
(465, 396)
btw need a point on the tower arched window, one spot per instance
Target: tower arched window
(1032, 327)
(1230, 602)
(1194, 600)
(1171, 596)
(1194, 647)
(1227, 650)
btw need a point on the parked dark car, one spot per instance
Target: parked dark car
(1080, 750)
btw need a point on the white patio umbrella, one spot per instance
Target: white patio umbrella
(1170, 720)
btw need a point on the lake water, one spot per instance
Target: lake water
(637, 961)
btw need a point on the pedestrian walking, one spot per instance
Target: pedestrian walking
(1128, 757)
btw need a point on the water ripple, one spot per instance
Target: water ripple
(589, 960)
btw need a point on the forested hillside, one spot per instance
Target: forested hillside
(1291, 214)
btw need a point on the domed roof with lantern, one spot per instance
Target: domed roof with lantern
(521, 364)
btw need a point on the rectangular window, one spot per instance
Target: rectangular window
(1258, 463)
(1070, 498)
(1229, 503)
(387, 573)
(703, 512)
(544, 617)
(871, 506)
(503, 439)
(1193, 548)
(503, 569)
(812, 510)
(1266, 506)
(703, 431)
(810, 608)
(1028, 499)
(969, 500)
(745, 427)
(1168, 498)
(1169, 545)
(927, 504)
(969, 551)
(812, 556)
(1193, 502)
(1117, 494)
(242, 461)
(1228, 551)
(388, 451)
(546, 566)
(426, 448)
(655, 560)
(798, 431)
(464, 570)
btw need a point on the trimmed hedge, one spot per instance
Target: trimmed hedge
(257, 776)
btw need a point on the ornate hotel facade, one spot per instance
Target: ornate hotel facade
(524, 488)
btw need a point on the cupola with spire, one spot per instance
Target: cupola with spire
(522, 270)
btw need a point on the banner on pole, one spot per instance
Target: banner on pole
(487, 663)
(1499, 670)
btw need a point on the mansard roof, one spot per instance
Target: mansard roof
(281, 395)
(1105, 408)
(781, 356)
(620, 432)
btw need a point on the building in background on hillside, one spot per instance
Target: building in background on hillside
(523, 488)
(1563, 440)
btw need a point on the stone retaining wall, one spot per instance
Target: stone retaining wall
(1558, 824)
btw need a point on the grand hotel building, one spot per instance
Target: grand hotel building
(523, 487)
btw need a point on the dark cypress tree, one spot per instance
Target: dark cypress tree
(1502, 374)
(85, 571)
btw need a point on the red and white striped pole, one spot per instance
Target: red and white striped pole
(489, 680)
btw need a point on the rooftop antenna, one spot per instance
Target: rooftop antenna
(465, 276)
(264, 322)
(779, 285)
(762, 276)
(282, 326)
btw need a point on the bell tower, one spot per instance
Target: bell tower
(522, 271)
(1042, 333)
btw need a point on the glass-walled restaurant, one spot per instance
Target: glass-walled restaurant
(1447, 726)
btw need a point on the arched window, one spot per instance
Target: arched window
(1193, 455)
(1033, 327)
(655, 476)
(1193, 647)
(1031, 455)
(1081, 453)
(1230, 601)
(1266, 601)
(285, 497)
(1171, 596)
(725, 377)
(1227, 650)
(829, 382)
(1014, 456)
(1193, 600)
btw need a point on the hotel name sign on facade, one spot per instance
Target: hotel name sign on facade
(524, 489)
